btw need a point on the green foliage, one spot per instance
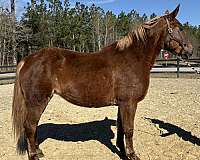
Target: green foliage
(193, 33)
(82, 28)
(153, 15)
(55, 23)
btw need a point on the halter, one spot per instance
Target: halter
(170, 31)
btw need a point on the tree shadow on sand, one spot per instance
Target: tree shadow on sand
(95, 130)
(173, 129)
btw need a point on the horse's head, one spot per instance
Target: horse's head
(177, 41)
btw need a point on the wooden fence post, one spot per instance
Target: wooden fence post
(178, 67)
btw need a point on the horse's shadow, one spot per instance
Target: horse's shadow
(173, 129)
(95, 130)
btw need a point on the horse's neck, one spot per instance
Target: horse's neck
(145, 51)
(153, 47)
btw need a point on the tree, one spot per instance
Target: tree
(96, 14)
(134, 20)
(153, 15)
(193, 33)
(54, 23)
(109, 33)
(123, 25)
(12, 2)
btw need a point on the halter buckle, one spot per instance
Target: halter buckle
(170, 30)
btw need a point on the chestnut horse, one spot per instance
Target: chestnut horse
(117, 75)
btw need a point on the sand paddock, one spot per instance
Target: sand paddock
(166, 127)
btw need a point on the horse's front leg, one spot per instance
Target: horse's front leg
(127, 112)
(120, 133)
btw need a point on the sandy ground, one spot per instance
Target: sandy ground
(166, 127)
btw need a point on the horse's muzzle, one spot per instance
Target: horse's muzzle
(187, 53)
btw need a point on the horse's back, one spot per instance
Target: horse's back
(83, 79)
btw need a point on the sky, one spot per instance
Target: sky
(189, 9)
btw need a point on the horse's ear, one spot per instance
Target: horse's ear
(166, 12)
(175, 12)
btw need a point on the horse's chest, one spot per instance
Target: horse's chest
(133, 87)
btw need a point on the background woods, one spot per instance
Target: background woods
(52, 23)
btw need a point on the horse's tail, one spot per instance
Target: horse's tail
(19, 112)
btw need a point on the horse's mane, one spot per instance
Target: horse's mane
(139, 34)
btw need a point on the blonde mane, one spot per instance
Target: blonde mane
(139, 33)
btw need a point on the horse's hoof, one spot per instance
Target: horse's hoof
(133, 156)
(39, 153)
(34, 158)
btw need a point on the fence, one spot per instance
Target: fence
(7, 72)
(172, 65)
(175, 65)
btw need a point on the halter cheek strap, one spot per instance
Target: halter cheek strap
(170, 30)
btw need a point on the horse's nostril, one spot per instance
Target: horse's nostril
(192, 50)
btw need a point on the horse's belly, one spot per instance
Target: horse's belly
(93, 94)
(88, 99)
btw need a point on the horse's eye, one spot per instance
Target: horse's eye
(181, 29)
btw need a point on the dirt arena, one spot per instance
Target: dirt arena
(167, 126)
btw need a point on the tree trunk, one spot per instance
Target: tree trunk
(4, 48)
(113, 35)
(13, 29)
(98, 34)
(106, 34)
(83, 46)
(94, 48)
(74, 47)
(0, 52)
(33, 4)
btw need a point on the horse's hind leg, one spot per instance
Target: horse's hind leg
(38, 150)
(33, 116)
(30, 129)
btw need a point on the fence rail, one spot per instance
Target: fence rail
(172, 65)
(7, 72)
(7, 67)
